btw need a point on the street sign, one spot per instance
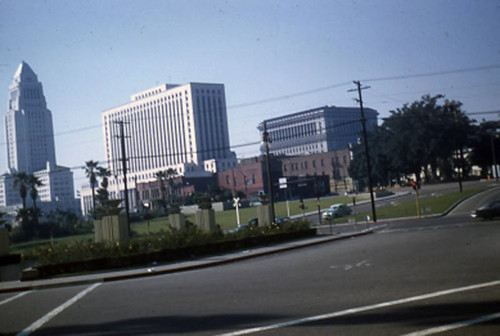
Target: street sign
(282, 182)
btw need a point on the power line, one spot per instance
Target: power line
(432, 74)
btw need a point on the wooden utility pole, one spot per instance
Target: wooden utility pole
(365, 141)
(124, 168)
(266, 140)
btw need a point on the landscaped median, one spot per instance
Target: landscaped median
(162, 247)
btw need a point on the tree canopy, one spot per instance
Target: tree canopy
(425, 136)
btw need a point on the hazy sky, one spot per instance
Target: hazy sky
(274, 57)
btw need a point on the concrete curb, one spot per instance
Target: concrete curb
(151, 271)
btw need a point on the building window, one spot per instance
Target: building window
(314, 163)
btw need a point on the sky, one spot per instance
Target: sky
(274, 58)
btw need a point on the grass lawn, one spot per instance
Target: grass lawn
(428, 206)
(17, 248)
(227, 219)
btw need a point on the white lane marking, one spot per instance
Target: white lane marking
(361, 309)
(348, 267)
(44, 319)
(14, 297)
(455, 325)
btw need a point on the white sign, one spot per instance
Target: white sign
(282, 182)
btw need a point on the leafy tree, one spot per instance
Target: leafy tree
(102, 192)
(485, 143)
(424, 136)
(379, 160)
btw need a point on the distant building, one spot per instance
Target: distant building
(319, 130)
(30, 147)
(333, 164)
(250, 176)
(183, 127)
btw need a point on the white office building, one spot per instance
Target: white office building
(183, 127)
(30, 146)
(318, 130)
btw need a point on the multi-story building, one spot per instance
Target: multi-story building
(183, 127)
(319, 130)
(333, 164)
(30, 146)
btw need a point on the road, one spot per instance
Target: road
(408, 195)
(410, 276)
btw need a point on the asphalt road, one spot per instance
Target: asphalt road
(409, 276)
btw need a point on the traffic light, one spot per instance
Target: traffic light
(414, 185)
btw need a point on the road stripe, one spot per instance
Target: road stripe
(44, 319)
(455, 325)
(14, 297)
(362, 309)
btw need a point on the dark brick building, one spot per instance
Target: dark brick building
(332, 164)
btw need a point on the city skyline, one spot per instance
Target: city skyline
(274, 58)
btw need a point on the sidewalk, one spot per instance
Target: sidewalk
(152, 270)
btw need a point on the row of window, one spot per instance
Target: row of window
(304, 165)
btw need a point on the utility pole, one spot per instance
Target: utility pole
(494, 156)
(266, 140)
(124, 168)
(368, 165)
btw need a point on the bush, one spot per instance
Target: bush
(172, 239)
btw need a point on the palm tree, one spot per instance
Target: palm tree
(21, 181)
(91, 172)
(170, 175)
(34, 182)
(161, 177)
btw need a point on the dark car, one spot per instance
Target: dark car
(488, 210)
(281, 220)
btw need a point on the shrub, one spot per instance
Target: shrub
(150, 243)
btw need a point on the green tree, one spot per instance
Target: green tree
(91, 173)
(425, 136)
(102, 192)
(21, 182)
(161, 177)
(484, 144)
(33, 183)
(171, 174)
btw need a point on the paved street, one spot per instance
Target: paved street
(410, 276)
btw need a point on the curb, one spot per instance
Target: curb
(151, 272)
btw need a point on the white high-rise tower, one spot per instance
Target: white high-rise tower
(30, 147)
(28, 124)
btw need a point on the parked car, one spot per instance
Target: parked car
(253, 222)
(281, 220)
(488, 210)
(337, 210)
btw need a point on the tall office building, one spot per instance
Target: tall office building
(318, 130)
(183, 127)
(28, 124)
(30, 146)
